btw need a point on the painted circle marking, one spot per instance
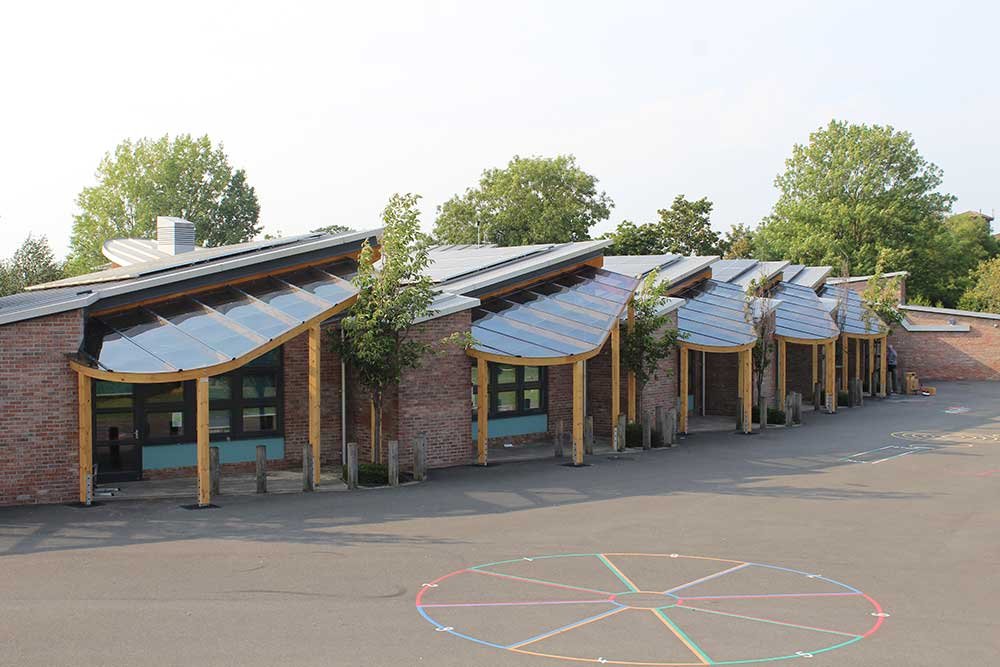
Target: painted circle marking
(683, 607)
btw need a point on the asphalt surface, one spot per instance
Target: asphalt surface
(866, 523)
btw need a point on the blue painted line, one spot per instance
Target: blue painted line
(456, 633)
(708, 578)
(789, 657)
(807, 574)
(536, 638)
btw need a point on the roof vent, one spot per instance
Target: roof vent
(174, 236)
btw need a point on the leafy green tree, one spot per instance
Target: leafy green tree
(332, 229)
(652, 339)
(861, 192)
(532, 200)
(392, 295)
(762, 319)
(882, 297)
(186, 177)
(738, 243)
(33, 263)
(984, 293)
(957, 248)
(684, 228)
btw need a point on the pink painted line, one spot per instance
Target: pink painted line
(512, 604)
(539, 581)
(777, 595)
(707, 578)
(424, 589)
(770, 620)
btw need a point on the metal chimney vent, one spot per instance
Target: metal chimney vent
(174, 236)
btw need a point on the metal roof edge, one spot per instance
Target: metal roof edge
(951, 311)
(453, 303)
(939, 328)
(860, 279)
(517, 273)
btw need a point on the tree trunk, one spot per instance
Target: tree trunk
(377, 435)
(761, 406)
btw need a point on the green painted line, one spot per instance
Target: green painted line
(790, 657)
(694, 647)
(608, 564)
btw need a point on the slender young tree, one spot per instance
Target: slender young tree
(882, 297)
(652, 339)
(393, 293)
(761, 317)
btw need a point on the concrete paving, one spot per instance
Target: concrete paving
(795, 545)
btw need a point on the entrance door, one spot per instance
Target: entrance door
(117, 449)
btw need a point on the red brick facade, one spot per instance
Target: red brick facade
(296, 399)
(948, 355)
(39, 433)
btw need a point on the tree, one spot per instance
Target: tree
(33, 263)
(186, 177)
(882, 297)
(860, 192)
(958, 247)
(761, 318)
(532, 200)
(984, 294)
(377, 330)
(332, 229)
(684, 228)
(738, 243)
(651, 339)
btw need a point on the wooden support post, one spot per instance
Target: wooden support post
(631, 374)
(393, 463)
(616, 376)
(788, 406)
(420, 458)
(782, 370)
(307, 468)
(371, 405)
(215, 470)
(85, 418)
(883, 367)
(871, 367)
(815, 364)
(748, 391)
(201, 420)
(845, 346)
(683, 398)
(647, 430)
(261, 470)
(578, 408)
(352, 465)
(315, 406)
(661, 426)
(588, 436)
(672, 426)
(829, 356)
(482, 423)
(857, 358)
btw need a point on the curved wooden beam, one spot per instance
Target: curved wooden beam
(807, 341)
(709, 348)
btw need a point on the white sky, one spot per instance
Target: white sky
(332, 107)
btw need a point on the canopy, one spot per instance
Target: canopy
(802, 315)
(853, 316)
(556, 321)
(210, 332)
(715, 316)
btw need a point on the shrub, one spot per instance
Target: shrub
(371, 474)
(774, 415)
(633, 436)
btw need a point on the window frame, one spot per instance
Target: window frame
(518, 387)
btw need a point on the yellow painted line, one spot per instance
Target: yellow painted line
(607, 661)
(680, 635)
(621, 575)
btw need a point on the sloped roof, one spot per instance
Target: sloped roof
(807, 276)
(742, 271)
(670, 268)
(801, 314)
(715, 315)
(850, 313)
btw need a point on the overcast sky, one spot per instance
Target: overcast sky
(331, 108)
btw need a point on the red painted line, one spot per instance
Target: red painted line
(424, 589)
(878, 619)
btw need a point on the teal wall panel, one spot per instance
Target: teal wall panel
(511, 426)
(157, 457)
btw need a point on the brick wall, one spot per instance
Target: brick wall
(39, 433)
(435, 399)
(722, 382)
(296, 409)
(972, 355)
(798, 375)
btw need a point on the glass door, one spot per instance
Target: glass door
(117, 449)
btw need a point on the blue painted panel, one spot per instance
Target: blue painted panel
(510, 426)
(156, 457)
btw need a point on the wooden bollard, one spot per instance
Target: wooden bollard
(789, 409)
(214, 470)
(420, 458)
(588, 436)
(261, 471)
(622, 444)
(307, 468)
(739, 416)
(647, 430)
(661, 425)
(817, 397)
(672, 426)
(797, 417)
(352, 465)
(393, 463)
(557, 441)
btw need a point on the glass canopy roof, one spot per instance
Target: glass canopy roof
(568, 315)
(209, 328)
(853, 316)
(715, 315)
(801, 314)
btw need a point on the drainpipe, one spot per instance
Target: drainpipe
(343, 406)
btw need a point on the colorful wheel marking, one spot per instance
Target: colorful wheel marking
(633, 599)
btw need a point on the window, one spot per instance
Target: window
(514, 390)
(247, 401)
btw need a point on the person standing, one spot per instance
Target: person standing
(891, 363)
